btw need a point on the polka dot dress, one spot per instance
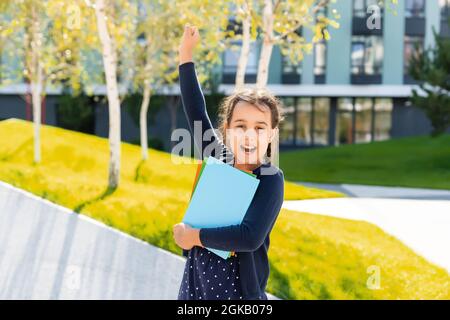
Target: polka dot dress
(209, 277)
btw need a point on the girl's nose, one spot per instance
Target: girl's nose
(250, 135)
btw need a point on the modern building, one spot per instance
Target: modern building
(353, 88)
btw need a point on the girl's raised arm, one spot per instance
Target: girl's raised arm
(194, 104)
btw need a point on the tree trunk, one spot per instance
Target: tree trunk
(143, 121)
(245, 49)
(263, 67)
(110, 65)
(267, 46)
(36, 94)
(37, 79)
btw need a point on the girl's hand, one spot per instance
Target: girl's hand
(189, 41)
(185, 236)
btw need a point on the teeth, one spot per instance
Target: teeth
(248, 149)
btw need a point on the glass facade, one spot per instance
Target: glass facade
(320, 54)
(383, 119)
(358, 120)
(306, 121)
(287, 125)
(367, 55)
(414, 8)
(363, 120)
(304, 112)
(289, 67)
(360, 7)
(344, 122)
(231, 59)
(321, 121)
(410, 50)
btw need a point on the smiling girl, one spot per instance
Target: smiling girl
(249, 121)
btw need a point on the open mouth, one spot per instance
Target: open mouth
(248, 149)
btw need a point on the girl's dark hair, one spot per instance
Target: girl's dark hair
(261, 98)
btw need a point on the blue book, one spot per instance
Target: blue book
(221, 197)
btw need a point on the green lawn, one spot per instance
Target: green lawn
(411, 162)
(311, 256)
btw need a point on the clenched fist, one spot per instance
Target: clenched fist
(189, 41)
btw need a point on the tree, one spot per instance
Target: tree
(244, 14)
(29, 23)
(278, 23)
(432, 68)
(29, 30)
(110, 65)
(43, 34)
(157, 31)
(212, 18)
(114, 23)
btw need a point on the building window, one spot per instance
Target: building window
(383, 119)
(320, 54)
(289, 67)
(344, 122)
(360, 7)
(287, 126)
(415, 8)
(367, 55)
(445, 9)
(410, 50)
(231, 59)
(304, 111)
(321, 121)
(363, 120)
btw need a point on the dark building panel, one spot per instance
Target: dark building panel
(366, 79)
(290, 78)
(230, 78)
(12, 106)
(415, 26)
(359, 27)
(408, 120)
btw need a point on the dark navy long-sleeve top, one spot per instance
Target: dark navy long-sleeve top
(250, 239)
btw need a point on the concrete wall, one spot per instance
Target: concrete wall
(49, 252)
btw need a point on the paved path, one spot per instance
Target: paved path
(358, 190)
(423, 225)
(50, 252)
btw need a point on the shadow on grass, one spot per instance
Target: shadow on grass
(280, 283)
(137, 174)
(108, 191)
(17, 150)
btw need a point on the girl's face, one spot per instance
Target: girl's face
(249, 133)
